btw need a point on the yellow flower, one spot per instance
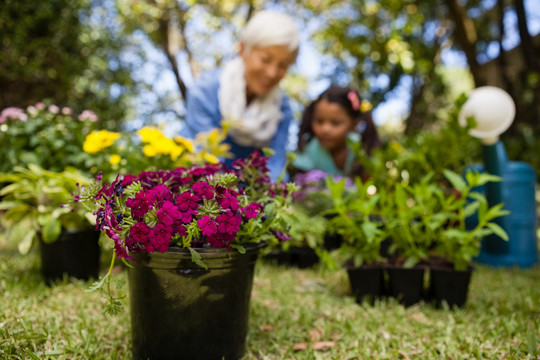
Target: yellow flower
(366, 106)
(150, 151)
(186, 143)
(210, 158)
(150, 135)
(99, 140)
(115, 159)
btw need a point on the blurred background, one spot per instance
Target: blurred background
(132, 62)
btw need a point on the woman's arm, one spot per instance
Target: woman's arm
(202, 108)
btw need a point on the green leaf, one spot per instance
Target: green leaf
(410, 262)
(197, 259)
(51, 230)
(470, 209)
(497, 230)
(239, 248)
(456, 180)
(98, 284)
(26, 242)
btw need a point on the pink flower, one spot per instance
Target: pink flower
(88, 115)
(167, 214)
(67, 111)
(252, 210)
(229, 202)
(204, 190)
(159, 239)
(54, 109)
(139, 232)
(229, 223)
(186, 201)
(13, 113)
(207, 225)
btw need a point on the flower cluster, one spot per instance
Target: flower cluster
(192, 207)
(120, 152)
(49, 136)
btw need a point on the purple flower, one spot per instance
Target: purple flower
(207, 225)
(252, 210)
(159, 194)
(281, 236)
(187, 201)
(139, 205)
(229, 223)
(228, 201)
(204, 190)
(159, 239)
(167, 214)
(139, 232)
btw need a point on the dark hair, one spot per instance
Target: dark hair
(340, 95)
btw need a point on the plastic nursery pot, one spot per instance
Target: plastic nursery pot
(449, 285)
(406, 284)
(74, 253)
(182, 311)
(300, 257)
(367, 282)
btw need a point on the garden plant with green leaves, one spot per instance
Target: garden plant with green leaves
(34, 201)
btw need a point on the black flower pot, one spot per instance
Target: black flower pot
(74, 253)
(406, 284)
(449, 285)
(367, 282)
(296, 256)
(182, 311)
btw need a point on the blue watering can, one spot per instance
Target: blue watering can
(494, 111)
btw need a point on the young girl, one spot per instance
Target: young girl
(327, 123)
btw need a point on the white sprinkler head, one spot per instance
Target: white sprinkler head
(493, 109)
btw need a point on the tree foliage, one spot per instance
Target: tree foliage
(63, 52)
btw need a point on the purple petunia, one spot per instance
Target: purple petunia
(167, 214)
(228, 201)
(207, 225)
(204, 190)
(229, 223)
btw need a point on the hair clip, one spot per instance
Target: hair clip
(353, 98)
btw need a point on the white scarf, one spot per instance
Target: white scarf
(256, 124)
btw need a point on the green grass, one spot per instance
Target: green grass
(295, 314)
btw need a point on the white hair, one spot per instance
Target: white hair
(268, 28)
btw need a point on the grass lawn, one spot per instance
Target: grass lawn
(295, 314)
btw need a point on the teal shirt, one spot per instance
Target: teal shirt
(315, 157)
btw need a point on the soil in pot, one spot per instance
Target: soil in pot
(75, 254)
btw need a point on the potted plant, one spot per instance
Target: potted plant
(305, 238)
(354, 218)
(49, 136)
(469, 219)
(32, 199)
(193, 235)
(413, 216)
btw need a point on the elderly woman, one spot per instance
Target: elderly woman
(246, 93)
